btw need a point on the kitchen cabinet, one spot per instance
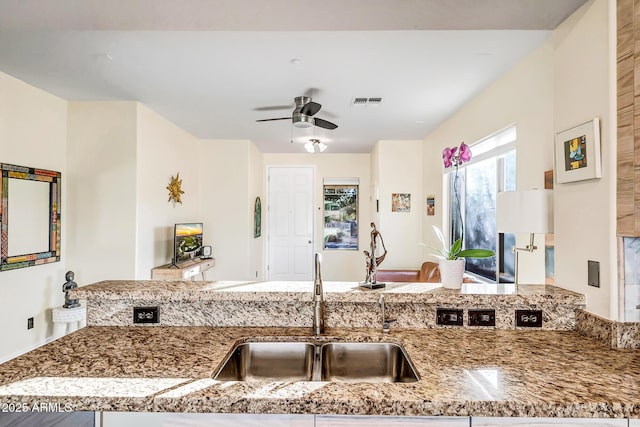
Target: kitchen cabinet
(167, 419)
(381, 421)
(544, 422)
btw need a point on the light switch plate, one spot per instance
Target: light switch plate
(593, 273)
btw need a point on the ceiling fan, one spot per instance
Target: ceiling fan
(303, 113)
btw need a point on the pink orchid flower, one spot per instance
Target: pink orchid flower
(447, 156)
(465, 153)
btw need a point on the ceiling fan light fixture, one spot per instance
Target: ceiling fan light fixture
(302, 121)
(315, 146)
(309, 147)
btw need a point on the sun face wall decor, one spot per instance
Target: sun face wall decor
(175, 189)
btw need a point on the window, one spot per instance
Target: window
(491, 169)
(340, 213)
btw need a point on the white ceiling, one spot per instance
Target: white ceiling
(212, 66)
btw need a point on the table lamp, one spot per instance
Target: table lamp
(529, 211)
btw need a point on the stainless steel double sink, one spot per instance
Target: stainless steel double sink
(307, 361)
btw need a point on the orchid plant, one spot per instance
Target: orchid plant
(454, 157)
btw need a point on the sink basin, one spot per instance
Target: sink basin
(280, 361)
(303, 361)
(367, 362)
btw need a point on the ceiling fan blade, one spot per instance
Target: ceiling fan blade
(324, 124)
(274, 108)
(270, 120)
(310, 108)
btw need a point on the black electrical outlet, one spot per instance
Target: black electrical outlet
(482, 318)
(30, 323)
(593, 273)
(146, 315)
(529, 318)
(449, 316)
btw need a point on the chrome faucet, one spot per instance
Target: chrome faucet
(386, 323)
(318, 298)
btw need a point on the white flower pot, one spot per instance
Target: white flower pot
(451, 273)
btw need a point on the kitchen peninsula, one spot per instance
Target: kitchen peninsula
(464, 372)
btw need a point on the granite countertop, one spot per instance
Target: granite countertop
(478, 373)
(197, 291)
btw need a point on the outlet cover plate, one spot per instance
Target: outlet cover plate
(529, 318)
(146, 315)
(449, 316)
(593, 273)
(482, 317)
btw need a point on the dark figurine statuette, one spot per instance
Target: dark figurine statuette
(66, 287)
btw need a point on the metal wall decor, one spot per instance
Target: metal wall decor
(257, 218)
(175, 189)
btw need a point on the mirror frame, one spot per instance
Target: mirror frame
(29, 260)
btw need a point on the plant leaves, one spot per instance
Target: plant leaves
(475, 253)
(440, 236)
(455, 249)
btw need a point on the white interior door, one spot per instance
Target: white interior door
(290, 223)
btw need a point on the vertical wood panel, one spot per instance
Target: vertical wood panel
(624, 181)
(628, 132)
(625, 28)
(625, 82)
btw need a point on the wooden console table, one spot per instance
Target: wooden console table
(185, 270)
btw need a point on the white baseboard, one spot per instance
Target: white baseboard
(8, 357)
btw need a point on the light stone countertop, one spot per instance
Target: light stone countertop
(463, 372)
(198, 291)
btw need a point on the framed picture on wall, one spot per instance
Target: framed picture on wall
(400, 202)
(431, 205)
(578, 153)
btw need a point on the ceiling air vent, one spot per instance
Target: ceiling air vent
(364, 102)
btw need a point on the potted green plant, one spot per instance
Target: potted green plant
(452, 258)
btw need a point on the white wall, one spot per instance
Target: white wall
(256, 183)
(33, 132)
(336, 264)
(566, 81)
(163, 150)
(400, 171)
(102, 190)
(524, 96)
(227, 206)
(585, 211)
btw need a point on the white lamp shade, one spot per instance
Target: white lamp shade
(529, 211)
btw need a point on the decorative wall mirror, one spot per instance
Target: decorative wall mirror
(29, 217)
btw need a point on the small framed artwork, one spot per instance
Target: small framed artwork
(400, 202)
(431, 205)
(578, 153)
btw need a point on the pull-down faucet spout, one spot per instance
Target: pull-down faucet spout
(318, 298)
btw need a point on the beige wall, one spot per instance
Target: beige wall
(337, 264)
(227, 207)
(523, 96)
(163, 150)
(585, 211)
(399, 170)
(256, 183)
(33, 132)
(566, 81)
(102, 190)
